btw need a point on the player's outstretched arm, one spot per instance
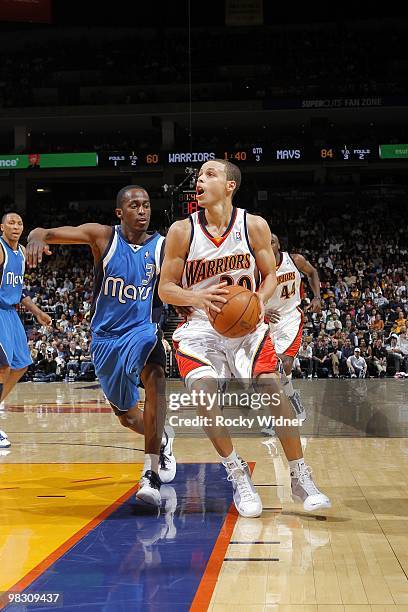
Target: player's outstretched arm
(175, 254)
(260, 239)
(92, 234)
(312, 274)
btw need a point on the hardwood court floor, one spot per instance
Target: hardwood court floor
(71, 465)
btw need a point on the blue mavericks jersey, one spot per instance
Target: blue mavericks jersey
(125, 293)
(11, 275)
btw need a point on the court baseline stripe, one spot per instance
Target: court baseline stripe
(251, 559)
(267, 485)
(207, 584)
(206, 587)
(256, 542)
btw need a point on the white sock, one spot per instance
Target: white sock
(151, 462)
(287, 385)
(232, 457)
(296, 465)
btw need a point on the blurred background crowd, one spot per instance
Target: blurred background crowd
(233, 78)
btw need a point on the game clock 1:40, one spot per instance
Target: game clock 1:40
(254, 154)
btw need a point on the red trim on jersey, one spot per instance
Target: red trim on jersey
(217, 241)
(266, 359)
(187, 363)
(293, 349)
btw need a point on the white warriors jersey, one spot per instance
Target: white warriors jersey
(214, 260)
(288, 294)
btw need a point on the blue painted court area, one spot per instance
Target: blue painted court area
(134, 561)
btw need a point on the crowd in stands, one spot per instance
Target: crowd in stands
(335, 59)
(63, 289)
(361, 254)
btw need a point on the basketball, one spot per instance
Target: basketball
(239, 315)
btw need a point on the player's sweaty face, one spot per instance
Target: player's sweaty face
(136, 209)
(13, 227)
(211, 183)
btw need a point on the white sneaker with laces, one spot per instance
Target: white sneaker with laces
(167, 461)
(305, 490)
(246, 499)
(4, 441)
(149, 489)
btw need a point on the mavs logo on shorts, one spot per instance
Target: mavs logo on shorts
(125, 285)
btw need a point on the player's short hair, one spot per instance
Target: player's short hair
(121, 194)
(233, 173)
(6, 214)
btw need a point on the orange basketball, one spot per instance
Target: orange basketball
(239, 315)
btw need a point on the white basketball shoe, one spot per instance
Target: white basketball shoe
(149, 490)
(305, 490)
(4, 441)
(246, 499)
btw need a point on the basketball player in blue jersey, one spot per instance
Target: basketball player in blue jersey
(217, 245)
(14, 353)
(126, 341)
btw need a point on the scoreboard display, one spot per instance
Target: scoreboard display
(118, 159)
(348, 153)
(255, 155)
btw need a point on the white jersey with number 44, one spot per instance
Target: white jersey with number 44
(288, 294)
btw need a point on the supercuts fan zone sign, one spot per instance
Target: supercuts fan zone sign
(25, 10)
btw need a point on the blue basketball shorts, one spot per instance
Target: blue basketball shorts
(14, 351)
(119, 362)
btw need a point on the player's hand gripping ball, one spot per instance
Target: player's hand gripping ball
(239, 316)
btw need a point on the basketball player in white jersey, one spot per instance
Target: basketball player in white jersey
(285, 315)
(218, 245)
